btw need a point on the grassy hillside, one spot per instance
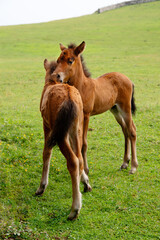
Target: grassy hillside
(120, 206)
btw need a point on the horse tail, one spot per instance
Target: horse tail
(133, 105)
(66, 116)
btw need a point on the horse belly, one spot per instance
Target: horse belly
(101, 109)
(104, 100)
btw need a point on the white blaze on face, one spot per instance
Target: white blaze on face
(61, 76)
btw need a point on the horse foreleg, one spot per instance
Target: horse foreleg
(84, 176)
(84, 147)
(46, 163)
(77, 150)
(73, 168)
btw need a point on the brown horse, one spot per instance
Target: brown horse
(112, 91)
(62, 111)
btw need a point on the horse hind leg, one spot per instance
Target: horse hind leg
(45, 172)
(131, 130)
(46, 164)
(121, 122)
(134, 162)
(73, 168)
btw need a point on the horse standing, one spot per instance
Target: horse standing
(112, 91)
(62, 111)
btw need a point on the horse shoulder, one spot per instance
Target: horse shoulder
(88, 95)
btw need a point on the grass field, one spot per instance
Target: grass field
(120, 206)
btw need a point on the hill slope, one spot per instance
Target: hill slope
(119, 40)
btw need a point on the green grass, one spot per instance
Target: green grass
(121, 206)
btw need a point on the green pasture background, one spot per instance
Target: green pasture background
(120, 206)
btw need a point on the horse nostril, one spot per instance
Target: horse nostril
(58, 76)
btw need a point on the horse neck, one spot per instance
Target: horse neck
(86, 88)
(79, 77)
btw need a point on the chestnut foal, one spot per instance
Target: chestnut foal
(112, 91)
(62, 111)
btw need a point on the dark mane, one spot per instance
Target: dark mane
(53, 65)
(85, 69)
(72, 45)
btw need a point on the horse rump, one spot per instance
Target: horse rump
(65, 118)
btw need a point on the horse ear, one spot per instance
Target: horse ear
(46, 64)
(79, 49)
(62, 47)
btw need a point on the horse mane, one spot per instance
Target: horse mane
(85, 69)
(53, 65)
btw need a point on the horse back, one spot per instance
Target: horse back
(110, 89)
(121, 85)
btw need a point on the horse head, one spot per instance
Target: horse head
(50, 68)
(67, 63)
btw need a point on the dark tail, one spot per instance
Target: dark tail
(133, 105)
(65, 118)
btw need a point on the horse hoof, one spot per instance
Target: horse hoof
(124, 166)
(87, 188)
(133, 170)
(40, 190)
(73, 215)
